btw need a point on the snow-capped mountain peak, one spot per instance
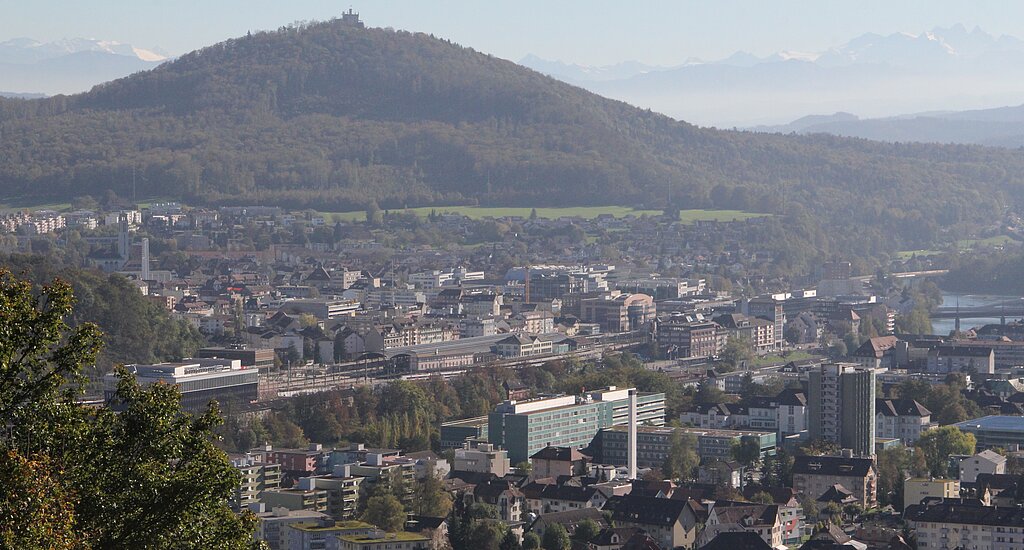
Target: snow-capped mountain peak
(28, 50)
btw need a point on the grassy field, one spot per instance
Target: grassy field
(998, 240)
(28, 204)
(962, 244)
(587, 212)
(775, 359)
(907, 254)
(16, 204)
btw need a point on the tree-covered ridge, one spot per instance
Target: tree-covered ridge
(336, 117)
(135, 329)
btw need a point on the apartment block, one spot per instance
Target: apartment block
(841, 406)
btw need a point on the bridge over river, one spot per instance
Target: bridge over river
(1012, 308)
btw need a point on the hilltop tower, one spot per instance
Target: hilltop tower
(351, 19)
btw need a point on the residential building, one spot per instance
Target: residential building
(504, 495)
(814, 475)
(271, 526)
(301, 497)
(533, 322)
(962, 524)
(671, 523)
(619, 312)
(734, 517)
(199, 381)
(525, 427)
(716, 415)
(306, 536)
(557, 461)
(477, 326)
(342, 491)
(484, 458)
(841, 406)
(971, 359)
(770, 308)
(916, 489)
(792, 412)
(759, 332)
(379, 540)
(565, 497)
(296, 461)
(985, 462)
(685, 339)
(903, 419)
(876, 353)
(257, 477)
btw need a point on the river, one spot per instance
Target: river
(949, 299)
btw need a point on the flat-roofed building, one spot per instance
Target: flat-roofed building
(610, 445)
(379, 540)
(261, 358)
(198, 380)
(482, 458)
(257, 477)
(455, 433)
(525, 427)
(916, 489)
(996, 431)
(271, 526)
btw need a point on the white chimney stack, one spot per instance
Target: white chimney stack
(632, 433)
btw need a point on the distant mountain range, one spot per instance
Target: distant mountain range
(30, 67)
(874, 75)
(1003, 127)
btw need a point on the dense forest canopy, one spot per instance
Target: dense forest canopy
(334, 117)
(135, 329)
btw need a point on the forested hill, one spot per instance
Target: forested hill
(333, 117)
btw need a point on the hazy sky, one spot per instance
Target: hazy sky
(582, 31)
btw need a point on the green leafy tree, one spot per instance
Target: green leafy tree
(510, 541)
(385, 511)
(747, 451)
(762, 498)
(792, 333)
(556, 538)
(35, 511)
(810, 509)
(430, 498)
(682, 459)
(586, 531)
(737, 350)
(531, 541)
(485, 535)
(939, 444)
(481, 510)
(145, 475)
